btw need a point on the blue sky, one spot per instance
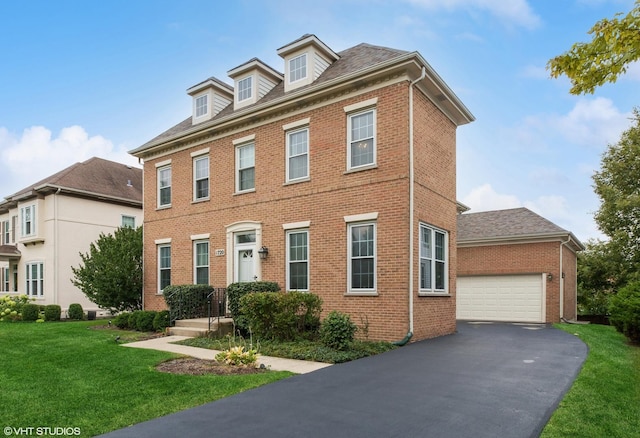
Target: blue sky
(86, 78)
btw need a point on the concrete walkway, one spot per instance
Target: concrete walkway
(275, 363)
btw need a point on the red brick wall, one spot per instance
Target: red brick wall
(569, 262)
(526, 258)
(324, 200)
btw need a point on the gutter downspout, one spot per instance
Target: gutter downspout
(411, 205)
(562, 280)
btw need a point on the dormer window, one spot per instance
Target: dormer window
(202, 105)
(245, 88)
(209, 98)
(298, 68)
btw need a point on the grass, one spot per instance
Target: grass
(604, 400)
(302, 349)
(67, 375)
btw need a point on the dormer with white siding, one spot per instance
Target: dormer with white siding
(305, 59)
(252, 81)
(209, 98)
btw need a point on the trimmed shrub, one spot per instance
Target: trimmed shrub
(624, 310)
(283, 316)
(30, 312)
(52, 312)
(144, 322)
(75, 312)
(235, 292)
(122, 320)
(161, 320)
(133, 319)
(337, 330)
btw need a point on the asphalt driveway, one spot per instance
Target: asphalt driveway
(487, 380)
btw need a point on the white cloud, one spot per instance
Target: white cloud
(485, 198)
(633, 71)
(36, 154)
(512, 12)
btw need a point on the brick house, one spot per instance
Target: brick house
(337, 177)
(46, 225)
(514, 265)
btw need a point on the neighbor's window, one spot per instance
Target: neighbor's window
(201, 178)
(128, 221)
(201, 261)
(28, 216)
(244, 89)
(298, 154)
(164, 266)
(245, 163)
(362, 142)
(298, 260)
(164, 186)
(35, 279)
(433, 259)
(298, 68)
(5, 232)
(5, 279)
(362, 257)
(202, 105)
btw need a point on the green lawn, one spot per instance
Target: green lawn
(67, 375)
(604, 401)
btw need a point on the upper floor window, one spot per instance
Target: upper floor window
(298, 154)
(35, 279)
(361, 130)
(245, 88)
(200, 178)
(433, 259)
(5, 232)
(28, 220)
(164, 186)
(362, 257)
(245, 165)
(298, 68)
(164, 266)
(202, 105)
(201, 261)
(128, 221)
(298, 260)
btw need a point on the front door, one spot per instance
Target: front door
(245, 249)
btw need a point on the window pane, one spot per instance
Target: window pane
(298, 246)
(425, 242)
(298, 68)
(244, 89)
(440, 275)
(202, 254)
(165, 257)
(246, 237)
(298, 167)
(202, 168)
(201, 105)
(246, 156)
(298, 276)
(165, 278)
(439, 246)
(247, 177)
(165, 177)
(202, 189)
(425, 275)
(202, 275)
(362, 273)
(298, 143)
(362, 152)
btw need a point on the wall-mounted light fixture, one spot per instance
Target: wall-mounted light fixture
(263, 252)
(549, 277)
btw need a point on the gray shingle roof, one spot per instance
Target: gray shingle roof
(96, 176)
(516, 222)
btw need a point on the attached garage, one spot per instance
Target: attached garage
(515, 298)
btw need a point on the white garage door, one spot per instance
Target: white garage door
(516, 298)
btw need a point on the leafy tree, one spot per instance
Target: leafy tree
(615, 44)
(110, 274)
(618, 186)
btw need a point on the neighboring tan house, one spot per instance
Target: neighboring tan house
(45, 227)
(514, 265)
(337, 177)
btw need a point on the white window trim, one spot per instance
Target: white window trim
(362, 291)
(23, 222)
(158, 247)
(289, 261)
(128, 216)
(195, 179)
(6, 235)
(350, 115)
(433, 290)
(5, 279)
(195, 105)
(251, 89)
(306, 71)
(158, 171)
(238, 169)
(40, 280)
(195, 260)
(289, 156)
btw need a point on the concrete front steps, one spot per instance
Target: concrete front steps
(200, 327)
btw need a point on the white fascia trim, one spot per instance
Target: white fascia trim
(361, 105)
(295, 225)
(200, 152)
(163, 163)
(297, 124)
(361, 217)
(245, 139)
(200, 236)
(162, 241)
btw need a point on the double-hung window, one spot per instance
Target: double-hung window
(245, 166)
(5, 279)
(298, 68)
(6, 233)
(164, 266)
(362, 257)
(28, 220)
(361, 130)
(298, 260)
(202, 105)
(200, 178)
(245, 88)
(164, 186)
(433, 259)
(201, 261)
(298, 154)
(35, 279)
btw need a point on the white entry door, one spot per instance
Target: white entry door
(245, 249)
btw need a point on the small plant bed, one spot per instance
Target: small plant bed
(301, 349)
(199, 367)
